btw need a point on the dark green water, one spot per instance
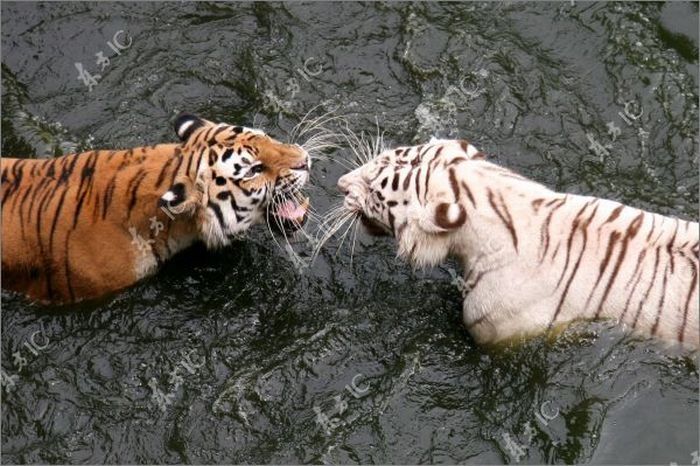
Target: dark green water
(272, 346)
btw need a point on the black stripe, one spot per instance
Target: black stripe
(219, 216)
(177, 168)
(190, 157)
(691, 290)
(56, 215)
(584, 231)
(161, 175)
(21, 205)
(37, 193)
(134, 193)
(212, 138)
(655, 327)
(109, 191)
(67, 170)
(454, 184)
(630, 296)
(455, 161)
(505, 217)
(469, 193)
(87, 174)
(87, 171)
(631, 232)
(206, 134)
(544, 231)
(16, 179)
(651, 284)
(39, 215)
(669, 247)
(50, 170)
(614, 237)
(651, 230)
(78, 208)
(66, 268)
(638, 267)
(418, 183)
(407, 180)
(427, 179)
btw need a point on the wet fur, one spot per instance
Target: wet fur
(69, 223)
(533, 258)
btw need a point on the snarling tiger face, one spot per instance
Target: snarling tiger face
(244, 177)
(408, 193)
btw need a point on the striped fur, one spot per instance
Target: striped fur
(83, 225)
(533, 258)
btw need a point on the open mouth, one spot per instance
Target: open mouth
(288, 215)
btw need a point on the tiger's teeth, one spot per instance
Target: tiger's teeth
(304, 207)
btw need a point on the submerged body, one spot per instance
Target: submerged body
(83, 225)
(533, 258)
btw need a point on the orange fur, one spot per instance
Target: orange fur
(68, 223)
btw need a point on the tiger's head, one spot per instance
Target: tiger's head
(410, 193)
(244, 177)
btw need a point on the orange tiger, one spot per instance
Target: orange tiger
(82, 225)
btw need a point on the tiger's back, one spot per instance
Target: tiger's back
(581, 257)
(66, 220)
(567, 257)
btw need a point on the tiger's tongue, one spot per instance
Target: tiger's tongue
(291, 210)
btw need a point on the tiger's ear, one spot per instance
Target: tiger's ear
(186, 124)
(442, 217)
(183, 196)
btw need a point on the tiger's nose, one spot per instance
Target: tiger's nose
(305, 164)
(344, 184)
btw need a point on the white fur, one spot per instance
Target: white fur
(453, 213)
(145, 264)
(471, 151)
(518, 292)
(183, 127)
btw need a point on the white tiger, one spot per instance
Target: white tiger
(533, 258)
